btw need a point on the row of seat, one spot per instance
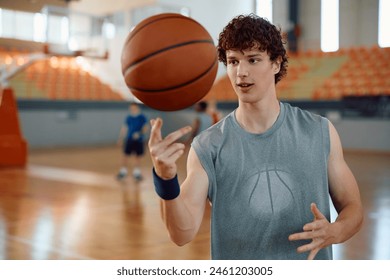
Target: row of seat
(314, 75)
(57, 78)
(365, 73)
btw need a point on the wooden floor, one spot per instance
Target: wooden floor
(67, 204)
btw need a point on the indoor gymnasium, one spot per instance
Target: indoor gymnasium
(69, 190)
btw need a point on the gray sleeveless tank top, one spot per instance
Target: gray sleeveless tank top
(261, 185)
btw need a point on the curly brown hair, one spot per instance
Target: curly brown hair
(247, 31)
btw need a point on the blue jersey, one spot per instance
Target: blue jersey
(135, 125)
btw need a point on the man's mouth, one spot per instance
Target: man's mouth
(244, 85)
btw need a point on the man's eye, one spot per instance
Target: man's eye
(233, 62)
(253, 60)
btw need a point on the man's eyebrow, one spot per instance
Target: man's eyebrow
(254, 55)
(231, 57)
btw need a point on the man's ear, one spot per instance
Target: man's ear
(276, 65)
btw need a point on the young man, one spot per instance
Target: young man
(131, 136)
(267, 168)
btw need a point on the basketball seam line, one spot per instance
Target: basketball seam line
(177, 86)
(163, 50)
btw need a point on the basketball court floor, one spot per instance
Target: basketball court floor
(67, 204)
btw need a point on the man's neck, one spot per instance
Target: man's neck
(258, 117)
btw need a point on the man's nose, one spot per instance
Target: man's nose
(242, 70)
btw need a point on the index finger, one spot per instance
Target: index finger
(155, 132)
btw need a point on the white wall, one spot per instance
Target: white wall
(280, 15)
(110, 71)
(358, 23)
(310, 21)
(75, 125)
(214, 15)
(368, 19)
(106, 7)
(364, 134)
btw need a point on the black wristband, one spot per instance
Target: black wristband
(166, 189)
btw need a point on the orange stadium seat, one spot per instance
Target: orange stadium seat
(61, 78)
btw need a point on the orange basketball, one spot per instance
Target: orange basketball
(169, 62)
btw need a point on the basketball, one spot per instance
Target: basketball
(169, 62)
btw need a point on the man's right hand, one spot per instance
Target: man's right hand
(165, 152)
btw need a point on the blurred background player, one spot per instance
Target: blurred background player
(202, 121)
(212, 109)
(131, 136)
